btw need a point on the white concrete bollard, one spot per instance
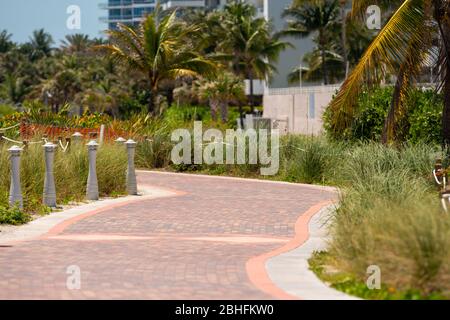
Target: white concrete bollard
(77, 137)
(92, 183)
(120, 140)
(49, 198)
(131, 172)
(15, 191)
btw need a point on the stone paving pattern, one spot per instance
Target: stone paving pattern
(192, 246)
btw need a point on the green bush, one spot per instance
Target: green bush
(422, 121)
(13, 216)
(6, 109)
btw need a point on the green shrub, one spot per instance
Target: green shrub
(304, 159)
(13, 216)
(422, 121)
(6, 109)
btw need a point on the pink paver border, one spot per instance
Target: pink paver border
(256, 266)
(59, 228)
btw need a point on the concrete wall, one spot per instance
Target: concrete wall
(298, 110)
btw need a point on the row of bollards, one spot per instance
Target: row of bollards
(49, 195)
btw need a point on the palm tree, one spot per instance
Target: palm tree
(41, 43)
(416, 30)
(160, 50)
(14, 87)
(314, 71)
(219, 92)
(252, 44)
(308, 16)
(76, 43)
(5, 41)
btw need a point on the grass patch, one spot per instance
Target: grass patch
(324, 266)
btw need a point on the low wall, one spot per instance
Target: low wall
(298, 110)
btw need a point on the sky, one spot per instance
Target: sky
(21, 17)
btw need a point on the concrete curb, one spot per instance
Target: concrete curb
(44, 225)
(290, 271)
(309, 186)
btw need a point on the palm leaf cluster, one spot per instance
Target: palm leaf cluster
(417, 32)
(161, 49)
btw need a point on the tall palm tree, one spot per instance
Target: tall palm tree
(416, 30)
(5, 41)
(310, 16)
(160, 49)
(41, 43)
(251, 42)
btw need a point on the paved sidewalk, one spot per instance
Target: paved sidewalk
(206, 241)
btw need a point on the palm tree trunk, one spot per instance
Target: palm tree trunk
(324, 66)
(224, 111)
(241, 116)
(213, 106)
(252, 105)
(446, 113)
(441, 16)
(389, 129)
(151, 104)
(344, 36)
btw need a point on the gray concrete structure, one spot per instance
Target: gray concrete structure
(298, 110)
(120, 140)
(92, 183)
(49, 197)
(15, 191)
(131, 171)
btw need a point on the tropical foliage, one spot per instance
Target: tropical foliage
(339, 41)
(417, 32)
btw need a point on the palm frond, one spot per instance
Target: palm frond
(388, 50)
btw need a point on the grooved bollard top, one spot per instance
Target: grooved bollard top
(131, 143)
(15, 150)
(77, 135)
(92, 145)
(49, 146)
(121, 140)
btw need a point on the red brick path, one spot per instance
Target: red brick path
(193, 246)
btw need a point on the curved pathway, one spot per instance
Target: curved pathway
(209, 239)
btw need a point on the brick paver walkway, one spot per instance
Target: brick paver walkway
(191, 246)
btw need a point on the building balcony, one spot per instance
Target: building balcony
(110, 19)
(183, 3)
